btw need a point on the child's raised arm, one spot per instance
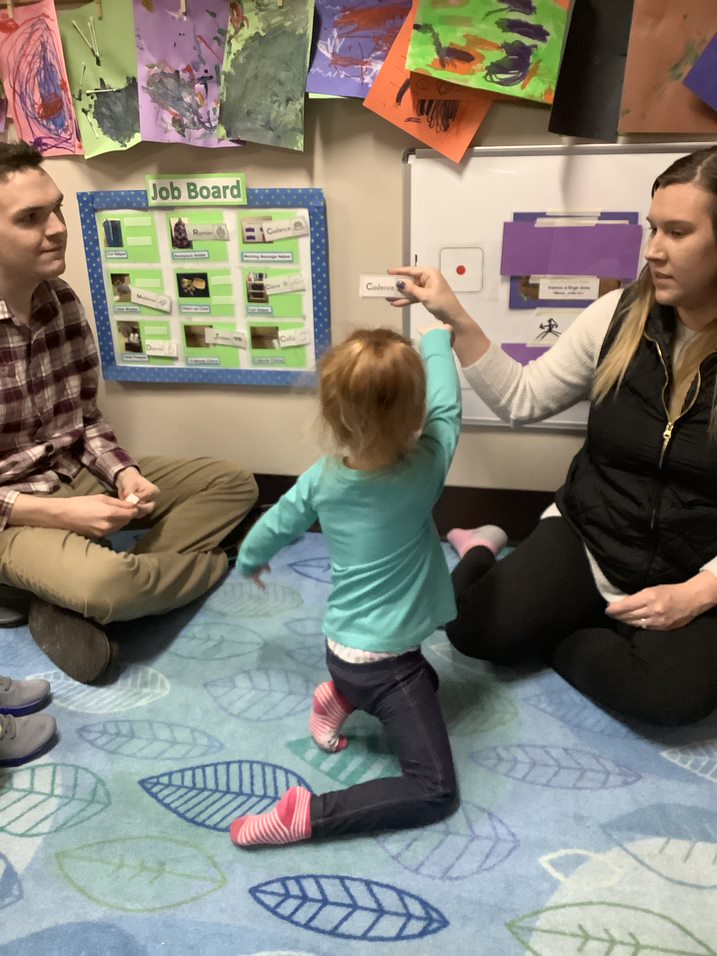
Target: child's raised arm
(442, 424)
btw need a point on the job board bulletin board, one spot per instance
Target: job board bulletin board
(528, 237)
(205, 287)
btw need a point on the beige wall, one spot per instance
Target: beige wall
(356, 158)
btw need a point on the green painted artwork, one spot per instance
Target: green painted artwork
(101, 60)
(261, 101)
(511, 47)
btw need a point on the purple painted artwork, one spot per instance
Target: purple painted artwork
(702, 78)
(179, 63)
(604, 250)
(351, 44)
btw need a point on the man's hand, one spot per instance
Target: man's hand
(95, 516)
(142, 493)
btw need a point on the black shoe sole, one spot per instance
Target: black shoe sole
(78, 646)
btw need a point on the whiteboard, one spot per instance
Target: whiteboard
(454, 214)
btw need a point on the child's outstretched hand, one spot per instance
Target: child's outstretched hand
(256, 576)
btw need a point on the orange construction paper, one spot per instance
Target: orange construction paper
(442, 115)
(666, 39)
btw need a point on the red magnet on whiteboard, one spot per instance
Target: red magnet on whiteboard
(465, 264)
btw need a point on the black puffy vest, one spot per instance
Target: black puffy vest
(646, 504)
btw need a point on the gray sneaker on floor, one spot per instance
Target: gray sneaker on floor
(19, 697)
(24, 738)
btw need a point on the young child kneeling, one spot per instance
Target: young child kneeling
(396, 425)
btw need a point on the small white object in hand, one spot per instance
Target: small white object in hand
(132, 499)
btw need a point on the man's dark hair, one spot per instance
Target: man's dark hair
(15, 157)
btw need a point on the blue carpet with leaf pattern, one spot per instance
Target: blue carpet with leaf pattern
(576, 834)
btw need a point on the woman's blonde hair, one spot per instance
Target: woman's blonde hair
(372, 394)
(699, 168)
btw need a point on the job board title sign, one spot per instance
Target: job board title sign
(215, 189)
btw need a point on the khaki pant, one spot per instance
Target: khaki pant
(176, 561)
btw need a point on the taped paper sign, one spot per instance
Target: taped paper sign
(266, 229)
(211, 231)
(161, 347)
(155, 300)
(292, 283)
(568, 287)
(379, 287)
(225, 337)
(293, 337)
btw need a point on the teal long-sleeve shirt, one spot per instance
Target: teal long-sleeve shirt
(391, 586)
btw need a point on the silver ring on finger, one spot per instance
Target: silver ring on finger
(643, 622)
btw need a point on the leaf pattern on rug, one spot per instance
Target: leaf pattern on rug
(318, 569)
(262, 694)
(245, 599)
(212, 795)
(563, 768)
(140, 874)
(473, 840)
(349, 907)
(95, 937)
(474, 708)
(216, 641)
(136, 686)
(574, 710)
(10, 885)
(307, 645)
(150, 739)
(699, 758)
(367, 757)
(677, 842)
(48, 798)
(605, 928)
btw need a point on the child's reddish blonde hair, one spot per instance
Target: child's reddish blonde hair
(372, 394)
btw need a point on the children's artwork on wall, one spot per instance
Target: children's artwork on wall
(509, 46)
(666, 39)
(592, 69)
(102, 71)
(35, 79)
(443, 115)
(702, 78)
(179, 63)
(3, 108)
(186, 293)
(351, 44)
(264, 73)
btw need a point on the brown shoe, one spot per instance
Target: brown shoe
(78, 646)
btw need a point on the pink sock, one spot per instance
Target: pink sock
(487, 536)
(328, 713)
(288, 822)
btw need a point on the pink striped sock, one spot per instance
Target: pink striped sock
(328, 713)
(487, 536)
(288, 822)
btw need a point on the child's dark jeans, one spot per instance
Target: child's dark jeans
(401, 692)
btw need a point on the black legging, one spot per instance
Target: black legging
(541, 601)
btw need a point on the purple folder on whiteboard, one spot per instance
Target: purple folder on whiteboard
(608, 251)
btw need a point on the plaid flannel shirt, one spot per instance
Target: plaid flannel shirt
(50, 425)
